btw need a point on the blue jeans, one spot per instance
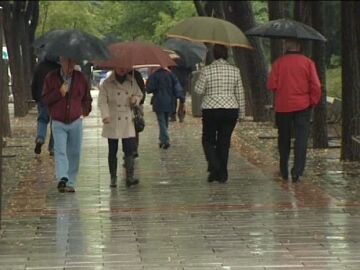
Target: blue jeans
(42, 122)
(67, 146)
(163, 120)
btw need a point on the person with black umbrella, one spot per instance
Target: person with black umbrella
(297, 90)
(46, 65)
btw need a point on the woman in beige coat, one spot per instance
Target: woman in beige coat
(118, 94)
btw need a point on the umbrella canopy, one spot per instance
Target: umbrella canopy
(190, 52)
(71, 43)
(134, 54)
(285, 28)
(210, 30)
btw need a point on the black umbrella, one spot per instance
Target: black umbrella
(71, 43)
(285, 28)
(190, 52)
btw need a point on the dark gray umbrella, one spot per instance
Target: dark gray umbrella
(71, 43)
(285, 28)
(190, 52)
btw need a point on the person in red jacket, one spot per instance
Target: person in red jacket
(297, 89)
(67, 95)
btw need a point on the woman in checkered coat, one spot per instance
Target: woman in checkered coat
(223, 103)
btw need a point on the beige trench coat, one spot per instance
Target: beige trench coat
(114, 102)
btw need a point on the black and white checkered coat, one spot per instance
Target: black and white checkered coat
(222, 87)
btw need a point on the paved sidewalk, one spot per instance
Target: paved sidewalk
(173, 219)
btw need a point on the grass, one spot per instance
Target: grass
(333, 82)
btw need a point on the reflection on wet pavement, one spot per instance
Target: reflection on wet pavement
(174, 219)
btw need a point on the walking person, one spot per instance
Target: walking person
(297, 89)
(67, 95)
(42, 69)
(165, 88)
(141, 84)
(118, 94)
(182, 74)
(223, 103)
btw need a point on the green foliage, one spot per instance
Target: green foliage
(67, 14)
(115, 20)
(260, 10)
(183, 9)
(333, 82)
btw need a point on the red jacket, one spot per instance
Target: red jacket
(75, 103)
(295, 82)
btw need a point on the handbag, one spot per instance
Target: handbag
(139, 122)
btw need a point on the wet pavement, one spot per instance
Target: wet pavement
(174, 219)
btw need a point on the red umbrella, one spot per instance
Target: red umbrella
(135, 53)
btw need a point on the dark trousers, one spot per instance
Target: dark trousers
(128, 147)
(300, 120)
(218, 125)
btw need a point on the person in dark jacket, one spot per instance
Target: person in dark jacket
(141, 84)
(182, 73)
(165, 87)
(66, 93)
(42, 69)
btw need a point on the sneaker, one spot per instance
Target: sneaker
(37, 149)
(69, 189)
(165, 145)
(62, 185)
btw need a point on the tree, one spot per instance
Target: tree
(320, 132)
(332, 31)
(13, 17)
(277, 10)
(303, 13)
(251, 62)
(350, 39)
(81, 15)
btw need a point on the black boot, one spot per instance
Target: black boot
(284, 169)
(129, 167)
(213, 162)
(113, 171)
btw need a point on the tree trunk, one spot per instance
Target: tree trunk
(251, 62)
(350, 39)
(302, 13)
(277, 10)
(11, 26)
(25, 53)
(320, 131)
(4, 100)
(28, 27)
(199, 8)
(32, 28)
(2, 105)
